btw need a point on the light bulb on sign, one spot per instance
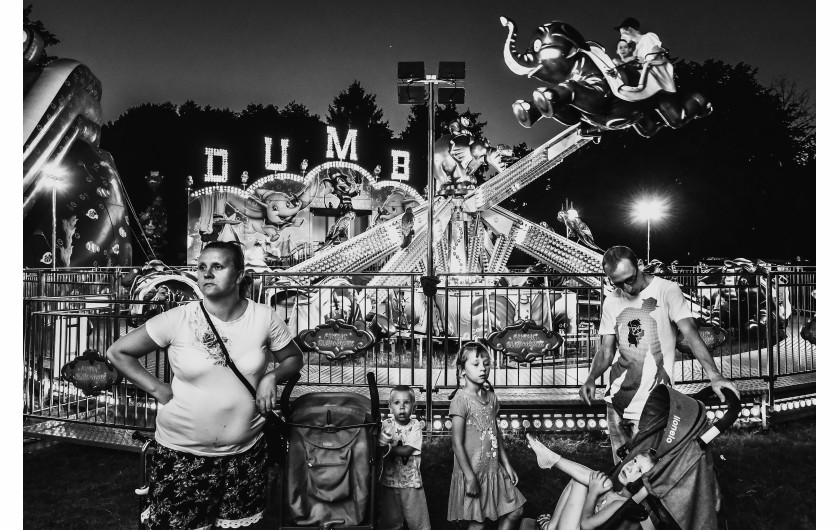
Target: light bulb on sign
(212, 153)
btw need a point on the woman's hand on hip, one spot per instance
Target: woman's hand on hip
(163, 394)
(266, 393)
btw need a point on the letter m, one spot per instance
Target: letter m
(334, 146)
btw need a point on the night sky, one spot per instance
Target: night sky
(229, 54)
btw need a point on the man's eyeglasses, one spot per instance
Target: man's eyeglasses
(627, 281)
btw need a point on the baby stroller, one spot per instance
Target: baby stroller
(329, 476)
(680, 491)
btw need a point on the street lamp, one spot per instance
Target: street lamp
(647, 210)
(56, 175)
(412, 90)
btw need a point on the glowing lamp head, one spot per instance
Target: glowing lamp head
(649, 209)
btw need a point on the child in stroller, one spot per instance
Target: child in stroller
(588, 500)
(677, 490)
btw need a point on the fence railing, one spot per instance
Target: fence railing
(760, 314)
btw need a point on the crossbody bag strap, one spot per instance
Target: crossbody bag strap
(228, 360)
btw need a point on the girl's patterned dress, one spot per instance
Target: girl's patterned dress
(497, 496)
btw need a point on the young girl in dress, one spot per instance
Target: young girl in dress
(483, 480)
(588, 501)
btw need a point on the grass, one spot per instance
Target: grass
(768, 477)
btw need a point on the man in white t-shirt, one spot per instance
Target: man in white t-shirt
(649, 50)
(640, 319)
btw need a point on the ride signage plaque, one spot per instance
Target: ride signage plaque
(336, 340)
(91, 373)
(524, 341)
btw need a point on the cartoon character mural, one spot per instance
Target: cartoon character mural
(344, 185)
(394, 204)
(264, 219)
(586, 87)
(284, 218)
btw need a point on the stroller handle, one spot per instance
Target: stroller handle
(374, 397)
(287, 393)
(733, 410)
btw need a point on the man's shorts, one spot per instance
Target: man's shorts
(188, 491)
(403, 503)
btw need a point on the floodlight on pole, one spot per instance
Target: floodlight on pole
(411, 90)
(647, 210)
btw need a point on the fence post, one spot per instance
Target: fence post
(771, 364)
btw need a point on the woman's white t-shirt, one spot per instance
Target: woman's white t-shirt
(211, 412)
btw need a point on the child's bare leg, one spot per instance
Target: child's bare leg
(548, 458)
(472, 525)
(569, 517)
(569, 507)
(510, 521)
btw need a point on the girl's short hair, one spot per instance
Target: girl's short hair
(234, 249)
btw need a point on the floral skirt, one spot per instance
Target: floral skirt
(496, 497)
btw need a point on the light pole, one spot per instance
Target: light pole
(412, 91)
(648, 210)
(54, 174)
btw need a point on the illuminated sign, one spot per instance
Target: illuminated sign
(400, 160)
(212, 153)
(334, 147)
(284, 147)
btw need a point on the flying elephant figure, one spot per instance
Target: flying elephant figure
(586, 87)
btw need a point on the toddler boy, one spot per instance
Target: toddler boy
(403, 498)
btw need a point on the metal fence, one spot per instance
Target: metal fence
(761, 314)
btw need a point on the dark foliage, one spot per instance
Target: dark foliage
(38, 27)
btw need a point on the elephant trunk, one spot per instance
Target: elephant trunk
(307, 194)
(519, 64)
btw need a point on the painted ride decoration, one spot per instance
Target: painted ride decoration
(156, 288)
(91, 372)
(66, 176)
(524, 341)
(336, 340)
(585, 86)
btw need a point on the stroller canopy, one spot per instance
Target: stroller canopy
(683, 478)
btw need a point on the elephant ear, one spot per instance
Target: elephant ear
(566, 31)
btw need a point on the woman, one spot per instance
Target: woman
(210, 466)
(588, 501)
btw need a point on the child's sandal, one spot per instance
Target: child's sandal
(543, 520)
